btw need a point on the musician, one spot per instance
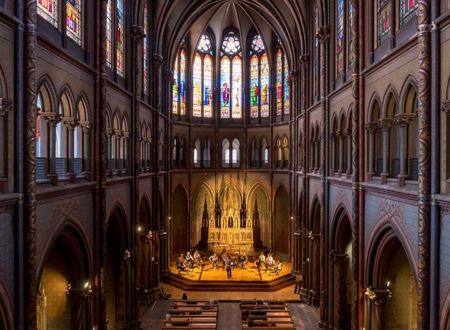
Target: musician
(227, 264)
(181, 263)
(270, 262)
(214, 259)
(190, 260)
(261, 260)
(243, 261)
(197, 256)
(278, 267)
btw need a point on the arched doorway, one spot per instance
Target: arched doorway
(116, 270)
(281, 230)
(392, 299)
(64, 292)
(341, 271)
(180, 221)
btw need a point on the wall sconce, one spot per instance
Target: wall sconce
(85, 292)
(307, 261)
(139, 229)
(162, 233)
(336, 257)
(378, 296)
(149, 235)
(127, 255)
(292, 218)
(312, 236)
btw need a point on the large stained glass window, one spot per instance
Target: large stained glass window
(175, 84)
(231, 77)
(109, 34)
(120, 40)
(408, 8)
(282, 84)
(350, 32)
(316, 62)
(340, 38)
(146, 50)
(203, 79)
(287, 97)
(384, 20)
(259, 79)
(48, 9)
(179, 84)
(73, 20)
(279, 91)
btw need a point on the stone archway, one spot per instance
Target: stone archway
(341, 271)
(116, 270)
(392, 279)
(180, 221)
(64, 296)
(281, 227)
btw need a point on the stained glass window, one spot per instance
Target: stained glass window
(287, 98)
(197, 84)
(208, 86)
(254, 86)
(408, 8)
(109, 34)
(48, 9)
(340, 38)
(350, 32)
(175, 85)
(316, 64)
(282, 84)
(179, 84)
(73, 20)
(225, 72)
(259, 79)
(120, 40)
(203, 79)
(384, 24)
(279, 92)
(231, 77)
(182, 87)
(145, 49)
(265, 91)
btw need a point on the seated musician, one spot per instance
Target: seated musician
(243, 261)
(190, 260)
(181, 263)
(278, 267)
(214, 259)
(261, 260)
(270, 262)
(197, 257)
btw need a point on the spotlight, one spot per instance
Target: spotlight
(85, 291)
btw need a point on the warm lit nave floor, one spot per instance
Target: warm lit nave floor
(304, 316)
(250, 273)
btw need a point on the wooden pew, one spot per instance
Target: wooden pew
(192, 314)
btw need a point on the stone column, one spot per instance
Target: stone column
(424, 114)
(386, 125)
(339, 272)
(371, 131)
(125, 155)
(117, 151)
(111, 153)
(86, 154)
(70, 123)
(4, 109)
(341, 152)
(53, 119)
(349, 152)
(403, 122)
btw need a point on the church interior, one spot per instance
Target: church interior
(224, 164)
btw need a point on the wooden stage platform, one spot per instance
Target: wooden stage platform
(251, 278)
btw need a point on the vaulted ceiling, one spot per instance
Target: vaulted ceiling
(281, 18)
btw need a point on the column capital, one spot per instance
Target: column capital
(85, 125)
(304, 59)
(403, 119)
(446, 106)
(377, 296)
(53, 118)
(70, 122)
(157, 59)
(371, 127)
(137, 33)
(323, 33)
(385, 123)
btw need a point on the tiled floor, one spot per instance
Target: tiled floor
(305, 317)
